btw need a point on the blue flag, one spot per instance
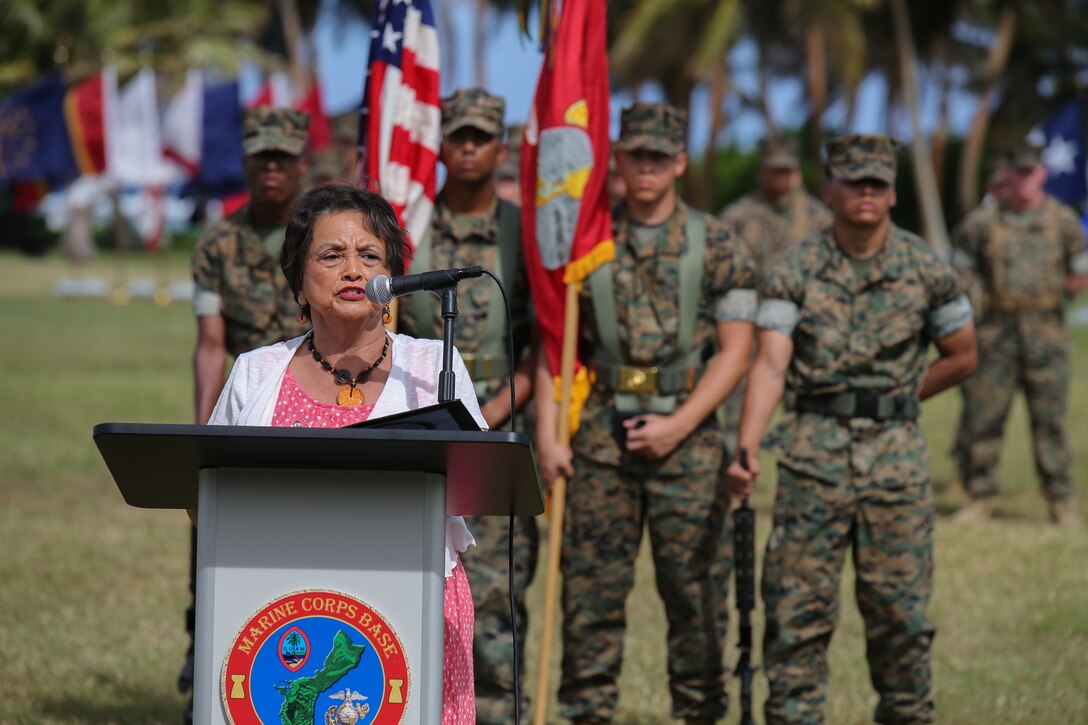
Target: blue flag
(1064, 154)
(34, 143)
(221, 146)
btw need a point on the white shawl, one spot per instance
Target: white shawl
(249, 397)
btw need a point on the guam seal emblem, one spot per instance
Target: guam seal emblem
(315, 658)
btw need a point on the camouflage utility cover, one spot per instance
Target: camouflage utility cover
(779, 152)
(653, 126)
(857, 157)
(1023, 155)
(274, 129)
(473, 107)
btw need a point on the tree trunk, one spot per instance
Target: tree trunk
(980, 123)
(940, 136)
(764, 107)
(678, 89)
(816, 81)
(292, 35)
(719, 87)
(925, 180)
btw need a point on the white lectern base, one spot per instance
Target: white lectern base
(266, 533)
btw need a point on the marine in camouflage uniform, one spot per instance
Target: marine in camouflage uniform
(1023, 258)
(648, 450)
(236, 263)
(488, 236)
(241, 299)
(780, 214)
(844, 326)
(772, 220)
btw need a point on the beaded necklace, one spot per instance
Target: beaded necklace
(350, 395)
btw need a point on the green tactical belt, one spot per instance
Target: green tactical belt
(857, 404)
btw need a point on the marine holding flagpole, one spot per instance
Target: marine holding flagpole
(667, 326)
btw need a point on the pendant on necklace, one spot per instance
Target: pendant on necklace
(350, 396)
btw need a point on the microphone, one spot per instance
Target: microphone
(382, 288)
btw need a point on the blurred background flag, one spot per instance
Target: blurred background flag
(221, 141)
(182, 127)
(134, 154)
(84, 112)
(320, 136)
(33, 135)
(1064, 154)
(401, 120)
(566, 220)
(275, 92)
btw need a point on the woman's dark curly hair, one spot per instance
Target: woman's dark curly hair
(378, 218)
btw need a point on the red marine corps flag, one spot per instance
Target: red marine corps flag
(566, 226)
(401, 122)
(565, 216)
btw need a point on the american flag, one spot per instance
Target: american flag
(401, 120)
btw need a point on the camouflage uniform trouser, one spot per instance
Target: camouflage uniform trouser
(891, 533)
(607, 508)
(487, 568)
(1029, 351)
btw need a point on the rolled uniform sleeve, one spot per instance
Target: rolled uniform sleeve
(949, 308)
(778, 310)
(730, 274)
(207, 268)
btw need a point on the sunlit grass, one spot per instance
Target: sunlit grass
(93, 593)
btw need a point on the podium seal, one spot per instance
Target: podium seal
(315, 657)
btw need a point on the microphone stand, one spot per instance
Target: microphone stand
(446, 382)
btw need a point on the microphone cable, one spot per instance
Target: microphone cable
(510, 528)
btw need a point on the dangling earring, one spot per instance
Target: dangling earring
(303, 315)
(387, 316)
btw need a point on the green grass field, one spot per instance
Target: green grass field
(92, 592)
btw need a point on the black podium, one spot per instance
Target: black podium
(321, 557)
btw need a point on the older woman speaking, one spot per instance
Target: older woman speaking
(348, 368)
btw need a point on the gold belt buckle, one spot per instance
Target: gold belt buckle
(637, 380)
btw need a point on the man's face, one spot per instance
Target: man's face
(471, 155)
(273, 176)
(777, 182)
(649, 175)
(861, 203)
(1024, 187)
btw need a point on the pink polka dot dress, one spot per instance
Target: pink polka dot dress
(294, 408)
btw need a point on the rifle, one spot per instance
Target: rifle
(744, 572)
